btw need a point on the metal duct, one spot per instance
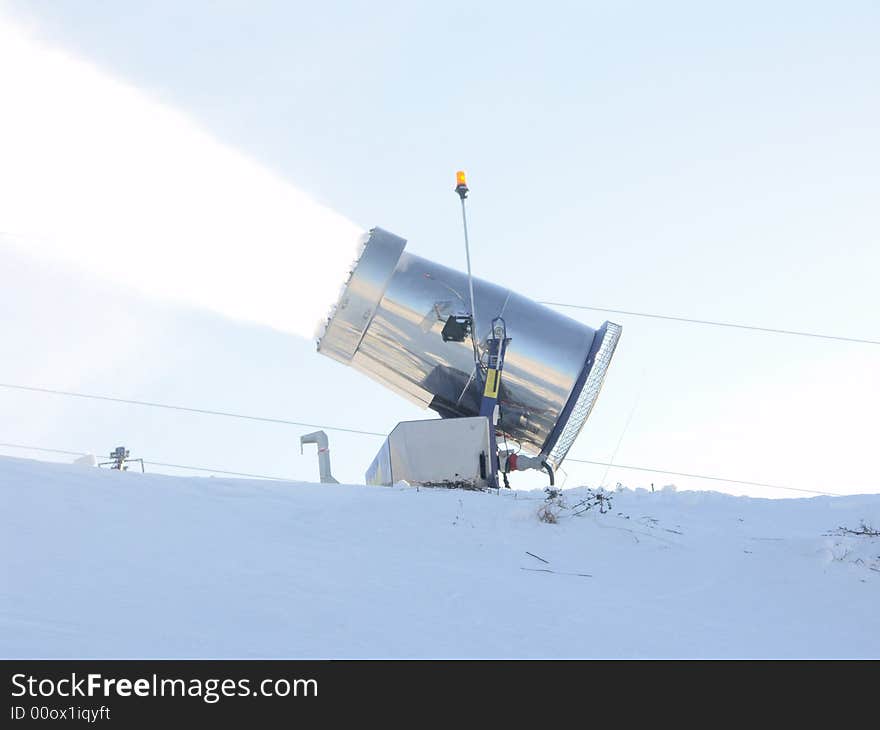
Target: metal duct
(387, 324)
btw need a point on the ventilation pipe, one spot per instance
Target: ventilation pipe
(320, 438)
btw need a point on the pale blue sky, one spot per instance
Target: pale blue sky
(696, 159)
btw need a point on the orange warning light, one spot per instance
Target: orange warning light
(460, 178)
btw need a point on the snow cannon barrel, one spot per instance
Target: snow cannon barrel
(389, 320)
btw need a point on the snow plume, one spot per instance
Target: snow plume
(95, 173)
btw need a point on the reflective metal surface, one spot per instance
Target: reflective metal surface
(388, 321)
(362, 294)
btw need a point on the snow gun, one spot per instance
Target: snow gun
(498, 368)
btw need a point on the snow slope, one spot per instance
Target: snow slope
(96, 563)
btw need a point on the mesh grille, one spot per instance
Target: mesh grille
(588, 395)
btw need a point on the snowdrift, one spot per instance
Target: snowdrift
(103, 564)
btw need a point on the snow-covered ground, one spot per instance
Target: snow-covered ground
(96, 563)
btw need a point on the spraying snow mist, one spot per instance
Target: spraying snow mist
(97, 174)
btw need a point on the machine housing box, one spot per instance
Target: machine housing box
(435, 452)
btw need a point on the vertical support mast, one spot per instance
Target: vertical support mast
(462, 189)
(497, 343)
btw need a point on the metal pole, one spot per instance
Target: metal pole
(467, 251)
(462, 189)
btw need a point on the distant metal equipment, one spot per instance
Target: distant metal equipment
(120, 456)
(320, 438)
(428, 332)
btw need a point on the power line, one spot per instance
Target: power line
(40, 448)
(702, 476)
(712, 323)
(151, 463)
(355, 431)
(570, 459)
(218, 471)
(186, 409)
(672, 318)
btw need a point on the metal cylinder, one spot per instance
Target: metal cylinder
(387, 324)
